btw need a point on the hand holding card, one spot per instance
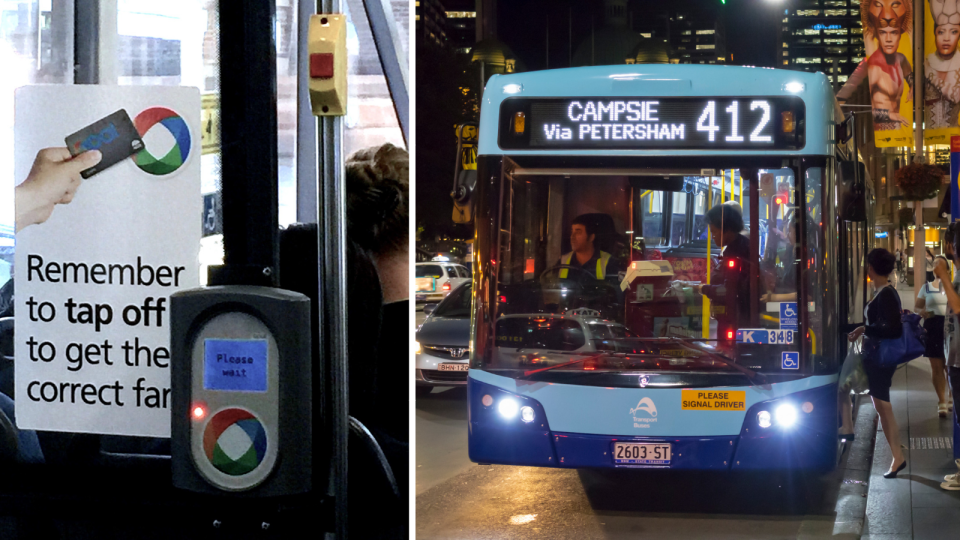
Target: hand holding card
(113, 135)
(53, 179)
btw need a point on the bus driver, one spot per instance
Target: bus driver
(583, 234)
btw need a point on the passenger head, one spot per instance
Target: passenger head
(880, 263)
(949, 237)
(582, 234)
(378, 213)
(725, 222)
(930, 254)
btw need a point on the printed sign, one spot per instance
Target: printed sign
(211, 214)
(788, 316)
(888, 43)
(713, 400)
(954, 178)
(790, 360)
(93, 277)
(764, 336)
(644, 292)
(941, 67)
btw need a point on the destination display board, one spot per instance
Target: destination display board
(594, 123)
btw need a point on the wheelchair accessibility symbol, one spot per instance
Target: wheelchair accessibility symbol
(791, 360)
(788, 316)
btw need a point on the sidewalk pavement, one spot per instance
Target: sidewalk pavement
(913, 506)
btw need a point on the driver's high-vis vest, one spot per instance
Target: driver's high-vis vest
(601, 264)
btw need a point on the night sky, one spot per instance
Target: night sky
(751, 27)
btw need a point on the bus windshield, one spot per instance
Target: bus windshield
(610, 273)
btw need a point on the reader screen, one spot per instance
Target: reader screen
(235, 365)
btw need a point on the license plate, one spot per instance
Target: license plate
(454, 367)
(420, 297)
(641, 454)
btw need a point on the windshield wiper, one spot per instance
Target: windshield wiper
(586, 356)
(752, 375)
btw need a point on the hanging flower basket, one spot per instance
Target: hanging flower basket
(906, 217)
(919, 181)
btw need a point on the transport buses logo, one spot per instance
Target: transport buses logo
(235, 442)
(646, 404)
(176, 156)
(644, 420)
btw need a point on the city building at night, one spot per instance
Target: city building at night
(816, 34)
(461, 24)
(431, 22)
(697, 34)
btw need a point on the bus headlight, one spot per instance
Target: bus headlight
(786, 415)
(763, 418)
(527, 414)
(508, 408)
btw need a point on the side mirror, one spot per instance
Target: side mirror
(851, 188)
(844, 130)
(429, 309)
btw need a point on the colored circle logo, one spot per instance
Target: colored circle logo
(235, 442)
(176, 156)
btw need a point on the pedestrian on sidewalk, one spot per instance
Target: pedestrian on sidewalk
(882, 318)
(931, 304)
(951, 332)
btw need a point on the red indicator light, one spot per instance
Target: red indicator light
(778, 200)
(732, 264)
(503, 299)
(198, 412)
(729, 334)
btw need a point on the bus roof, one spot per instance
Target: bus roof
(662, 80)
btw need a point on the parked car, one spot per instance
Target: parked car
(435, 280)
(443, 342)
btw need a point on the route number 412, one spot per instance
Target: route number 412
(708, 121)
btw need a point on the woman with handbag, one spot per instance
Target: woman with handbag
(883, 321)
(932, 306)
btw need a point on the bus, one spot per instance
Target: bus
(668, 351)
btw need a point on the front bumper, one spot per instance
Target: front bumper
(428, 371)
(811, 444)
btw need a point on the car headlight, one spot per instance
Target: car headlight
(763, 418)
(416, 347)
(786, 415)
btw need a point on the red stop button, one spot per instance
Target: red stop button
(321, 65)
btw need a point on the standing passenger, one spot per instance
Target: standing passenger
(882, 322)
(951, 331)
(932, 306)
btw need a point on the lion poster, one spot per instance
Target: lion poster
(941, 69)
(887, 33)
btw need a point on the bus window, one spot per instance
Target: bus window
(651, 217)
(722, 276)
